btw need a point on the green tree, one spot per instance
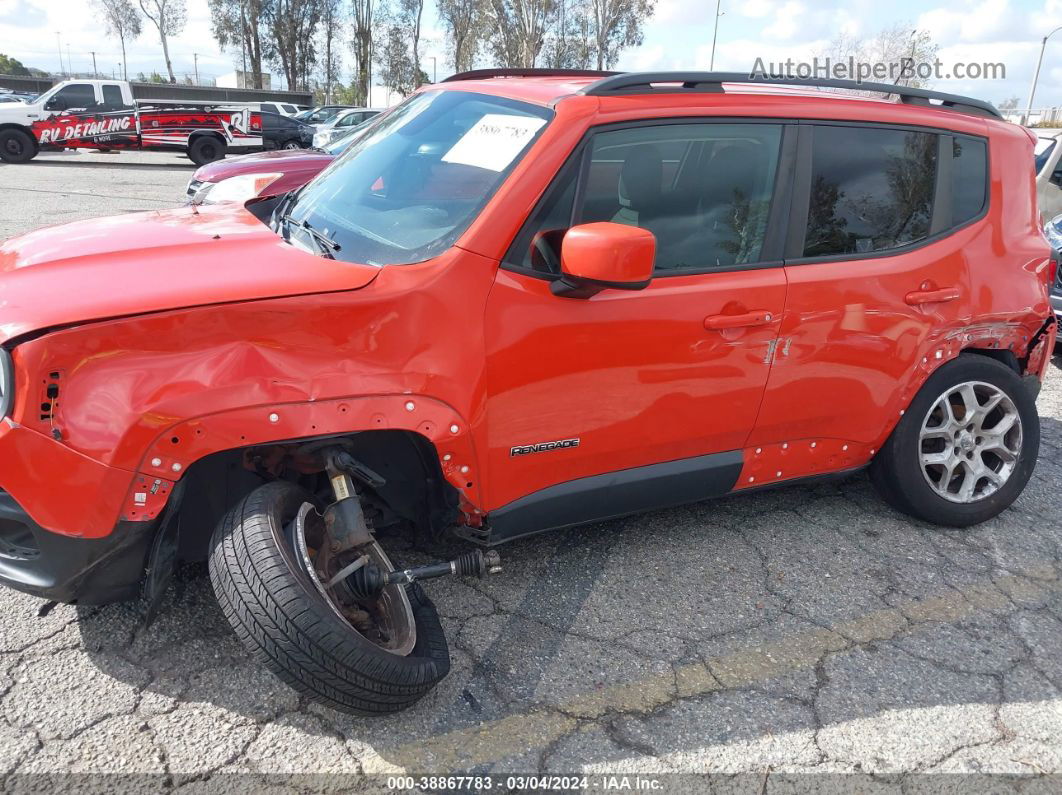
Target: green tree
(238, 26)
(11, 66)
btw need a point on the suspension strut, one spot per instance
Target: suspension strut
(365, 580)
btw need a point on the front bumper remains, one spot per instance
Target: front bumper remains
(69, 569)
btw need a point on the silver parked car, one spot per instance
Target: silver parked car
(343, 123)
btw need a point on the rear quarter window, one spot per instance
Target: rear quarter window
(871, 189)
(969, 178)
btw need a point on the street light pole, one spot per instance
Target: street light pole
(95, 74)
(434, 69)
(715, 33)
(1036, 76)
(195, 57)
(59, 46)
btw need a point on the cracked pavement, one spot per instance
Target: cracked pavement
(801, 630)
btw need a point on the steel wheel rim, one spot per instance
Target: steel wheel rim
(393, 603)
(970, 442)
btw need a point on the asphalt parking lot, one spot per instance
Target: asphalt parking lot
(799, 632)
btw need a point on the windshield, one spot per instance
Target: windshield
(406, 190)
(347, 138)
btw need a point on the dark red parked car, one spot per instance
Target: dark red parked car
(264, 173)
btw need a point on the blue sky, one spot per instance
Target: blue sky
(678, 37)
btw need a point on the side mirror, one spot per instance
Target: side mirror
(55, 103)
(604, 255)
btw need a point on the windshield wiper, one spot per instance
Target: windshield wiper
(325, 244)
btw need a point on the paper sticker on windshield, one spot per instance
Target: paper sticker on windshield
(494, 141)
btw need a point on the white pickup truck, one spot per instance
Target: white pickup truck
(102, 114)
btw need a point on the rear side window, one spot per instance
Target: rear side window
(969, 178)
(871, 189)
(269, 107)
(112, 97)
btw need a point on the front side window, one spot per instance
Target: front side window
(704, 191)
(871, 189)
(405, 190)
(78, 95)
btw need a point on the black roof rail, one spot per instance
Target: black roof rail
(485, 74)
(711, 82)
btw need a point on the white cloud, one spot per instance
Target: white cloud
(786, 21)
(757, 9)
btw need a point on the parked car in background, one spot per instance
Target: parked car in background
(281, 108)
(1053, 233)
(262, 173)
(1048, 153)
(343, 123)
(102, 114)
(285, 132)
(12, 98)
(321, 114)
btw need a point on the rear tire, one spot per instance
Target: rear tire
(900, 472)
(17, 146)
(206, 149)
(289, 627)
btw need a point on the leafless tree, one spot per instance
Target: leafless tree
(465, 23)
(332, 21)
(364, 20)
(410, 12)
(123, 22)
(237, 24)
(519, 29)
(168, 17)
(893, 46)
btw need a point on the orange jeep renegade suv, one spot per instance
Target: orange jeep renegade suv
(524, 300)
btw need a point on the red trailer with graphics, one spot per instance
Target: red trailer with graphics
(102, 114)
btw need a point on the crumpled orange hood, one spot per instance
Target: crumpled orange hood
(151, 262)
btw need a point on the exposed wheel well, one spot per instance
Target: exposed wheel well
(201, 133)
(415, 492)
(1003, 356)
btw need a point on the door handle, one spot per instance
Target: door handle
(718, 322)
(919, 297)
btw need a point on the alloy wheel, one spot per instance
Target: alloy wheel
(970, 442)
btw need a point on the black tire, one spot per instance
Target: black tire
(283, 620)
(206, 149)
(897, 473)
(17, 146)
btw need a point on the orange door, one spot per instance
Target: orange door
(879, 279)
(634, 376)
(674, 371)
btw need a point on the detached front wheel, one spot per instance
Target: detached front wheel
(367, 659)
